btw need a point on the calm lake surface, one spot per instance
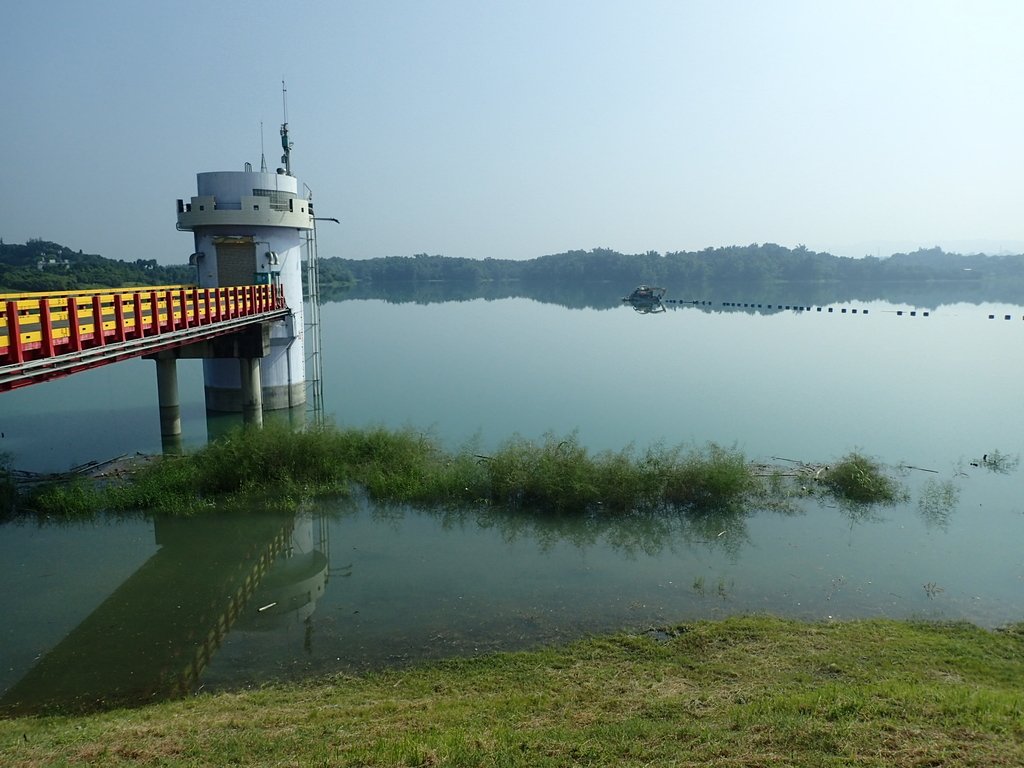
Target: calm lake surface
(125, 611)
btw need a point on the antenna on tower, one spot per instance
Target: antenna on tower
(263, 157)
(286, 145)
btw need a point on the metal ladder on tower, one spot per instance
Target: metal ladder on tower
(314, 357)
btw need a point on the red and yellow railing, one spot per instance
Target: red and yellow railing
(35, 326)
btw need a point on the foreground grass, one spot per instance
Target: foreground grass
(740, 692)
(559, 475)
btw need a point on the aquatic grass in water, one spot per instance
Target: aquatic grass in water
(562, 476)
(557, 475)
(395, 465)
(999, 462)
(712, 479)
(68, 501)
(253, 459)
(274, 461)
(858, 479)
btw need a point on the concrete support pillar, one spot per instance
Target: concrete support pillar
(170, 405)
(167, 396)
(252, 391)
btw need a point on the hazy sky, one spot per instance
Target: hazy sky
(513, 129)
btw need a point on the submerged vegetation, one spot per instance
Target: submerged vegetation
(555, 475)
(751, 691)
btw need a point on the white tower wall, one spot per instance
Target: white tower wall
(249, 227)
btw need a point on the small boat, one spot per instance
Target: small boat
(646, 299)
(645, 294)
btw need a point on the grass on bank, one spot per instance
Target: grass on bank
(557, 474)
(740, 692)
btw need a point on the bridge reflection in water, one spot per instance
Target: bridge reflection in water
(154, 635)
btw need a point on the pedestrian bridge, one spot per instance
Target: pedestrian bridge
(44, 336)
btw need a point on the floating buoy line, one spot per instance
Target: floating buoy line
(799, 308)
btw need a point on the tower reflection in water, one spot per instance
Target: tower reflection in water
(153, 636)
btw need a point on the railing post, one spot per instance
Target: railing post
(154, 314)
(74, 328)
(172, 322)
(98, 337)
(45, 328)
(137, 309)
(120, 332)
(183, 321)
(15, 353)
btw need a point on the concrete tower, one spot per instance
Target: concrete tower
(250, 228)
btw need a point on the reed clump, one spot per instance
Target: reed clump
(561, 475)
(557, 474)
(273, 461)
(859, 479)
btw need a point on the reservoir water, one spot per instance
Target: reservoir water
(123, 611)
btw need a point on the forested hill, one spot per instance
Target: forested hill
(40, 265)
(752, 263)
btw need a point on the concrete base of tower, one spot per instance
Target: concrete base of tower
(284, 396)
(229, 399)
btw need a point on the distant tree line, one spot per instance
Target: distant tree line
(756, 263)
(40, 265)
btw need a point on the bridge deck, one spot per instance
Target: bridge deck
(45, 336)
